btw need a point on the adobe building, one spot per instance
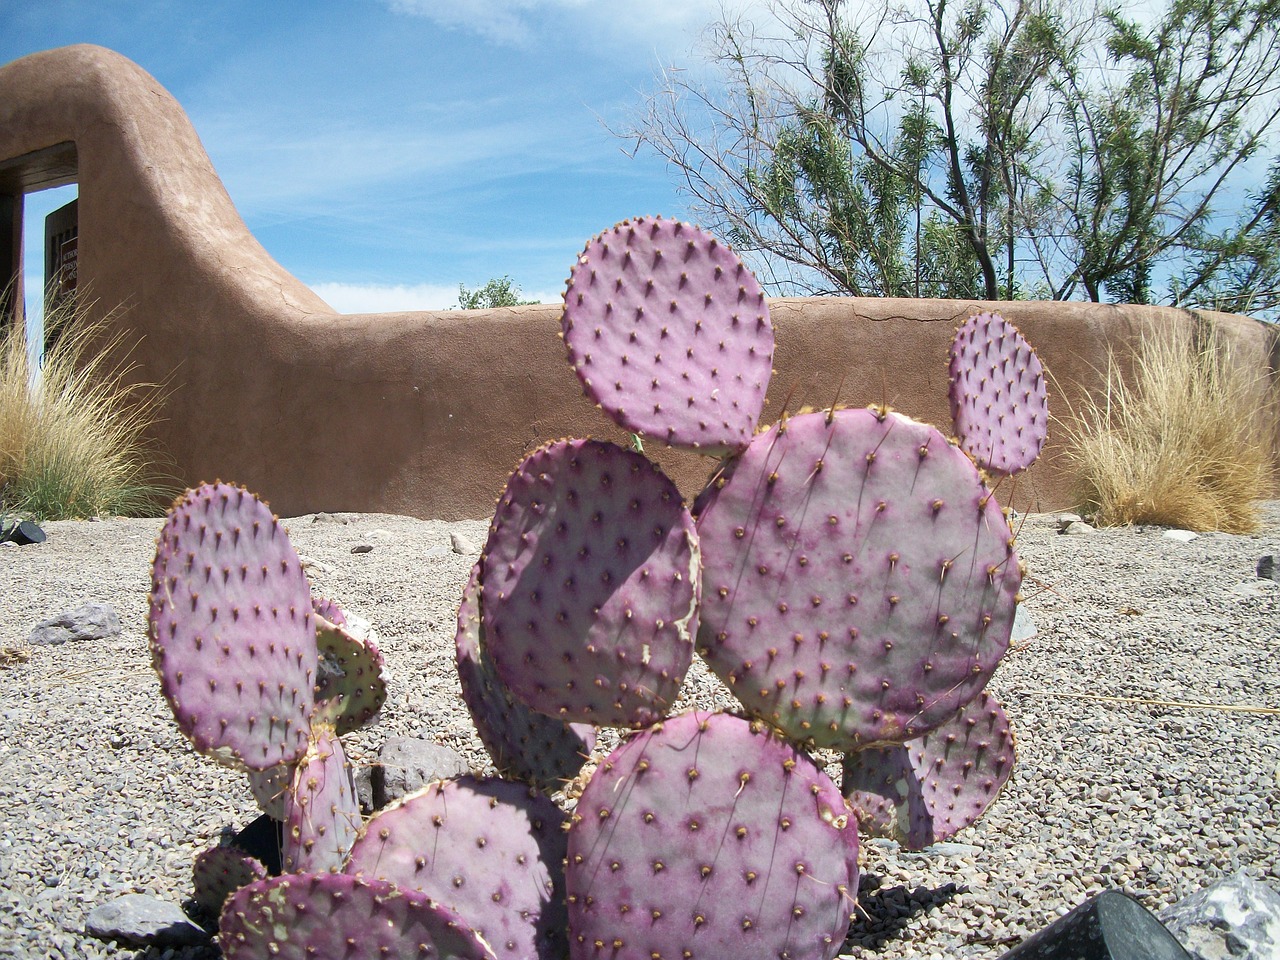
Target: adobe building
(425, 413)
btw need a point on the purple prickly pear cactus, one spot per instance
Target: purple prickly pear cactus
(998, 400)
(333, 915)
(351, 688)
(219, 872)
(589, 585)
(524, 744)
(231, 629)
(491, 849)
(927, 790)
(269, 787)
(322, 814)
(669, 332)
(707, 834)
(859, 580)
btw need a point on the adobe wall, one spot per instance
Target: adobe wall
(424, 413)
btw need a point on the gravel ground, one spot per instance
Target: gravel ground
(100, 796)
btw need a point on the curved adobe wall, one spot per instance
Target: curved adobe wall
(415, 413)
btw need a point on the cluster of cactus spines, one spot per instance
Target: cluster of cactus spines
(492, 850)
(351, 687)
(709, 836)
(927, 790)
(589, 585)
(859, 579)
(523, 744)
(670, 334)
(999, 403)
(219, 872)
(332, 915)
(231, 629)
(322, 814)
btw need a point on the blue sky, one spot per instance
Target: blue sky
(385, 151)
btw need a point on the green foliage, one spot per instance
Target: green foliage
(989, 148)
(498, 292)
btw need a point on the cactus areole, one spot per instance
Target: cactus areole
(859, 580)
(669, 332)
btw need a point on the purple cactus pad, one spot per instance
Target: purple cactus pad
(219, 872)
(322, 814)
(669, 332)
(929, 789)
(706, 836)
(524, 744)
(231, 629)
(351, 688)
(491, 849)
(589, 585)
(998, 400)
(859, 580)
(332, 915)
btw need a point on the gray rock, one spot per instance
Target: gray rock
(1024, 628)
(1076, 527)
(462, 545)
(327, 518)
(1183, 536)
(138, 918)
(407, 763)
(1064, 520)
(362, 548)
(1237, 918)
(89, 621)
(1268, 568)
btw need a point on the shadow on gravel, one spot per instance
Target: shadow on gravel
(883, 914)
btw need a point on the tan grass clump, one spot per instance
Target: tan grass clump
(71, 438)
(1186, 443)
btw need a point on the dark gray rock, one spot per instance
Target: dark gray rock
(408, 763)
(1237, 918)
(1269, 568)
(90, 621)
(138, 918)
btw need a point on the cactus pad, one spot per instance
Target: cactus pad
(669, 332)
(859, 580)
(491, 849)
(707, 834)
(231, 629)
(332, 915)
(322, 814)
(929, 789)
(589, 585)
(269, 788)
(351, 688)
(524, 744)
(998, 399)
(219, 872)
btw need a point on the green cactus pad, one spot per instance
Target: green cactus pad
(706, 836)
(219, 872)
(322, 814)
(669, 332)
(231, 629)
(859, 580)
(490, 849)
(589, 585)
(333, 916)
(524, 744)
(929, 789)
(998, 399)
(351, 688)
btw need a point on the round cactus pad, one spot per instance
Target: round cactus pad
(322, 813)
(929, 789)
(524, 744)
(304, 916)
(589, 584)
(669, 332)
(998, 399)
(859, 580)
(706, 836)
(231, 629)
(491, 849)
(219, 872)
(351, 688)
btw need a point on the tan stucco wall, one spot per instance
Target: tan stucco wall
(422, 413)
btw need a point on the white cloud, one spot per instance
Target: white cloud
(397, 298)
